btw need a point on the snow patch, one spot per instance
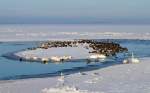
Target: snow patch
(65, 89)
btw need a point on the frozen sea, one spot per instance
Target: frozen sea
(28, 32)
(24, 36)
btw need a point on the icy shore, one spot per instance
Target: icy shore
(125, 78)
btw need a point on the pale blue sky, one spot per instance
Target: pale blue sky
(74, 11)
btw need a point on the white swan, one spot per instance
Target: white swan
(131, 60)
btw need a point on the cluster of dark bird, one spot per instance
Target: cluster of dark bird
(55, 44)
(107, 48)
(104, 47)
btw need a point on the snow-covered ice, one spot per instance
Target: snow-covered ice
(59, 32)
(74, 52)
(65, 89)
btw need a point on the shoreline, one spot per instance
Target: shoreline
(120, 78)
(66, 71)
(124, 70)
(44, 75)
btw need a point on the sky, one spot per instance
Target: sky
(75, 11)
